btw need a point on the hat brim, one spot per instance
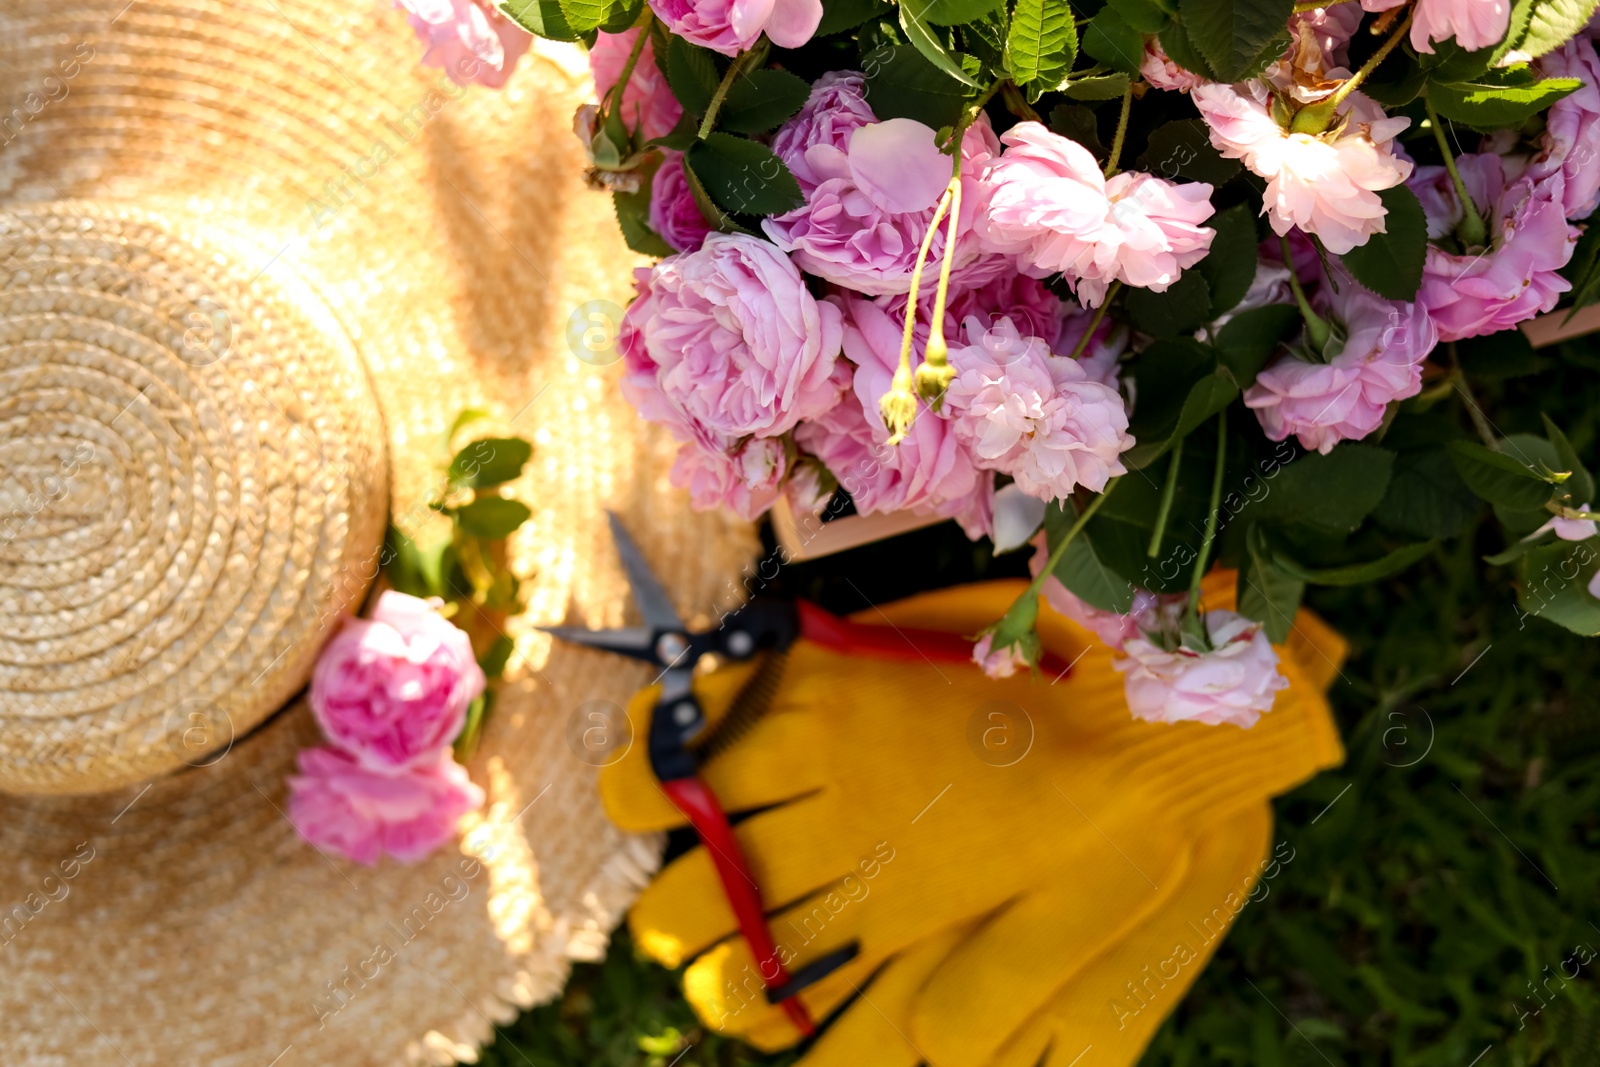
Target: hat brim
(184, 920)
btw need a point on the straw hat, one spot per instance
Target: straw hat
(253, 262)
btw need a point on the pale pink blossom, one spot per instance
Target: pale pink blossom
(1161, 72)
(727, 342)
(870, 191)
(647, 103)
(392, 690)
(1035, 416)
(931, 471)
(1474, 24)
(1326, 184)
(1568, 529)
(1374, 359)
(998, 662)
(746, 481)
(1594, 582)
(988, 289)
(674, 215)
(339, 806)
(1150, 613)
(1234, 683)
(1046, 202)
(470, 41)
(1571, 142)
(1479, 291)
(732, 26)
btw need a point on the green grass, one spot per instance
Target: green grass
(1423, 897)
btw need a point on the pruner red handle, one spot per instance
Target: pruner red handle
(894, 642)
(699, 805)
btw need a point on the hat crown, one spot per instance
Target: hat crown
(198, 492)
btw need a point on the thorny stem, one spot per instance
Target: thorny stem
(1122, 132)
(735, 69)
(633, 59)
(1094, 323)
(1317, 329)
(1168, 491)
(1211, 515)
(1472, 231)
(1480, 421)
(1066, 539)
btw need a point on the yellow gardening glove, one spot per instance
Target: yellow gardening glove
(896, 822)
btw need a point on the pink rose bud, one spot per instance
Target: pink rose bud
(339, 806)
(732, 26)
(392, 690)
(673, 213)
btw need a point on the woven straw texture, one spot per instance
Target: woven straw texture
(288, 162)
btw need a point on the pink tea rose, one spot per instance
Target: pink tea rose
(1345, 397)
(726, 342)
(1046, 202)
(988, 289)
(1571, 142)
(1234, 683)
(1474, 24)
(1157, 68)
(998, 662)
(747, 481)
(1327, 184)
(836, 108)
(930, 472)
(1482, 291)
(673, 213)
(732, 26)
(392, 690)
(1035, 416)
(470, 41)
(340, 806)
(870, 190)
(648, 106)
(1151, 612)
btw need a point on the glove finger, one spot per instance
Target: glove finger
(1317, 648)
(989, 985)
(875, 1028)
(1147, 973)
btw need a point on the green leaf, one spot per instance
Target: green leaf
(924, 40)
(724, 222)
(1182, 308)
(489, 461)
(1081, 569)
(1334, 491)
(841, 15)
(586, 16)
(1506, 354)
(1113, 42)
(1101, 87)
(1499, 479)
(1178, 46)
(411, 569)
(744, 176)
(542, 18)
(1183, 149)
(1492, 102)
(1426, 497)
(1043, 42)
(1551, 23)
(466, 417)
(622, 16)
(762, 99)
(692, 75)
(494, 658)
(1554, 585)
(1267, 593)
(1146, 16)
(1171, 411)
(1356, 573)
(902, 84)
(633, 219)
(492, 517)
(1232, 34)
(1390, 263)
(1230, 265)
(1247, 341)
(1517, 550)
(946, 12)
(1581, 484)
